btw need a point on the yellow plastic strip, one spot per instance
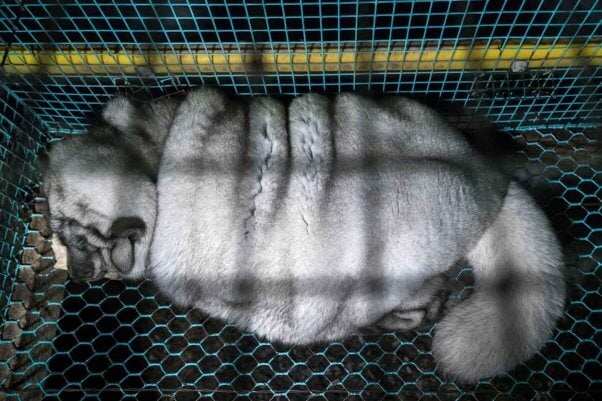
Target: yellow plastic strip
(461, 57)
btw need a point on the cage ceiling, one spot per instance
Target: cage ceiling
(519, 63)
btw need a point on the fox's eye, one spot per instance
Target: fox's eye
(80, 241)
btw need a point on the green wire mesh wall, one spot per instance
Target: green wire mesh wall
(559, 86)
(113, 340)
(22, 137)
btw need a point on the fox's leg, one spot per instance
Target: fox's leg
(411, 319)
(401, 320)
(424, 305)
(434, 310)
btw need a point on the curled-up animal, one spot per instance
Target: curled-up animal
(306, 223)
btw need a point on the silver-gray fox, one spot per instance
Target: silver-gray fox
(308, 222)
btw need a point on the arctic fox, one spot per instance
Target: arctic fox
(101, 188)
(308, 222)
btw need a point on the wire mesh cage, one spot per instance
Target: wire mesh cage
(532, 69)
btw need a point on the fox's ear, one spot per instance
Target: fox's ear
(119, 112)
(44, 159)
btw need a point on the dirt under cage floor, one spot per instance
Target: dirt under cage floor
(121, 340)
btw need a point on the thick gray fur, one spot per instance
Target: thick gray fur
(101, 188)
(309, 223)
(310, 227)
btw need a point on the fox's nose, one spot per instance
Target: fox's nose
(81, 272)
(81, 265)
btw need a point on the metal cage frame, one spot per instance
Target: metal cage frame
(532, 70)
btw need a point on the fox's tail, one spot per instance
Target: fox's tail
(519, 295)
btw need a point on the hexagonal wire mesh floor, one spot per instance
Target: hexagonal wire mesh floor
(121, 340)
(126, 341)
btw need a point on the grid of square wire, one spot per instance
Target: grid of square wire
(66, 99)
(22, 135)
